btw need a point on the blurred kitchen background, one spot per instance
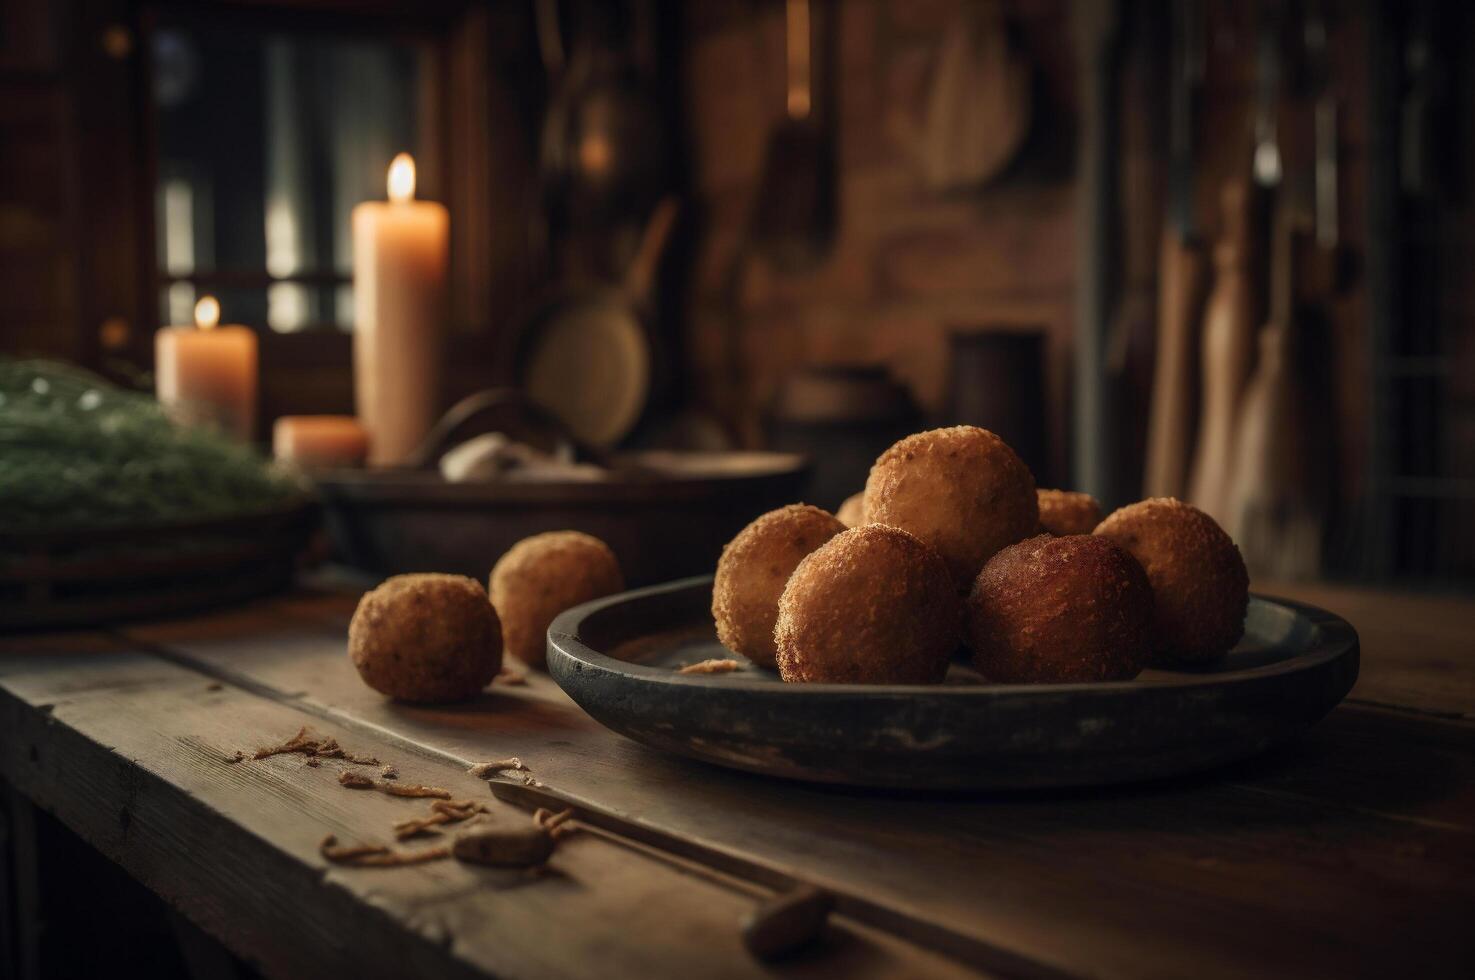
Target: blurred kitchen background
(1212, 249)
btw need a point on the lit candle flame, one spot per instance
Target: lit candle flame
(207, 312)
(402, 178)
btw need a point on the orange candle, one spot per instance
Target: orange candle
(399, 283)
(319, 441)
(206, 374)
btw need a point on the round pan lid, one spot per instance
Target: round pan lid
(588, 361)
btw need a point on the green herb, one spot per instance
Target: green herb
(77, 451)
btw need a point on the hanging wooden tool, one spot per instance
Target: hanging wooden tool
(1098, 44)
(794, 215)
(1325, 176)
(1227, 355)
(1182, 275)
(1266, 163)
(1275, 505)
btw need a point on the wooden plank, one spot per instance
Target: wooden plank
(1350, 853)
(1418, 651)
(131, 752)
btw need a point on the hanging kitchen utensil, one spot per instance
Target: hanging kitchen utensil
(1188, 64)
(1182, 274)
(794, 214)
(1226, 357)
(978, 108)
(1098, 45)
(584, 354)
(1325, 125)
(1275, 507)
(1266, 164)
(1426, 109)
(604, 148)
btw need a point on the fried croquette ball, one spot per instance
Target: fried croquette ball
(753, 570)
(1056, 610)
(540, 577)
(874, 605)
(961, 490)
(1065, 512)
(852, 513)
(426, 638)
(1199, 584)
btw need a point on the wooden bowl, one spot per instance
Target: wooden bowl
(665, 514)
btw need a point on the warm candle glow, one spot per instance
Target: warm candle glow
(206, 374)
(207, 312)
(402, 178)
(399, 280)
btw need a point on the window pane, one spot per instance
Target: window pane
(266, 142)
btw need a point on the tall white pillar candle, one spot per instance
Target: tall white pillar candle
(399, 282)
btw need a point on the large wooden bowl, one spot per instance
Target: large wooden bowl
(617, 657)
(665, 515)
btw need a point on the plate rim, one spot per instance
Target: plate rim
(1336, 638)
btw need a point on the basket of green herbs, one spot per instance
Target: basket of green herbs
(108, 508)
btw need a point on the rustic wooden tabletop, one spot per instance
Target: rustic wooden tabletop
(1348, 853)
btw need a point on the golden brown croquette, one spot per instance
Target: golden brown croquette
(753, 570)
(874, 605)
(540, 577)
(961, 490)
(426, 638)
(852, 512)
(1057, 610)
(1199, 584)
(1068, 512)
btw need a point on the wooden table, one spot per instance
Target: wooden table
(1350, 853)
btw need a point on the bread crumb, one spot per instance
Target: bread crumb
(711, 667)
(375, 855)
(309, 743)
(357, 780)
(397, 789)
(441, 812)
(486, 770)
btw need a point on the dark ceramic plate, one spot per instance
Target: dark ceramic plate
(617, 657)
